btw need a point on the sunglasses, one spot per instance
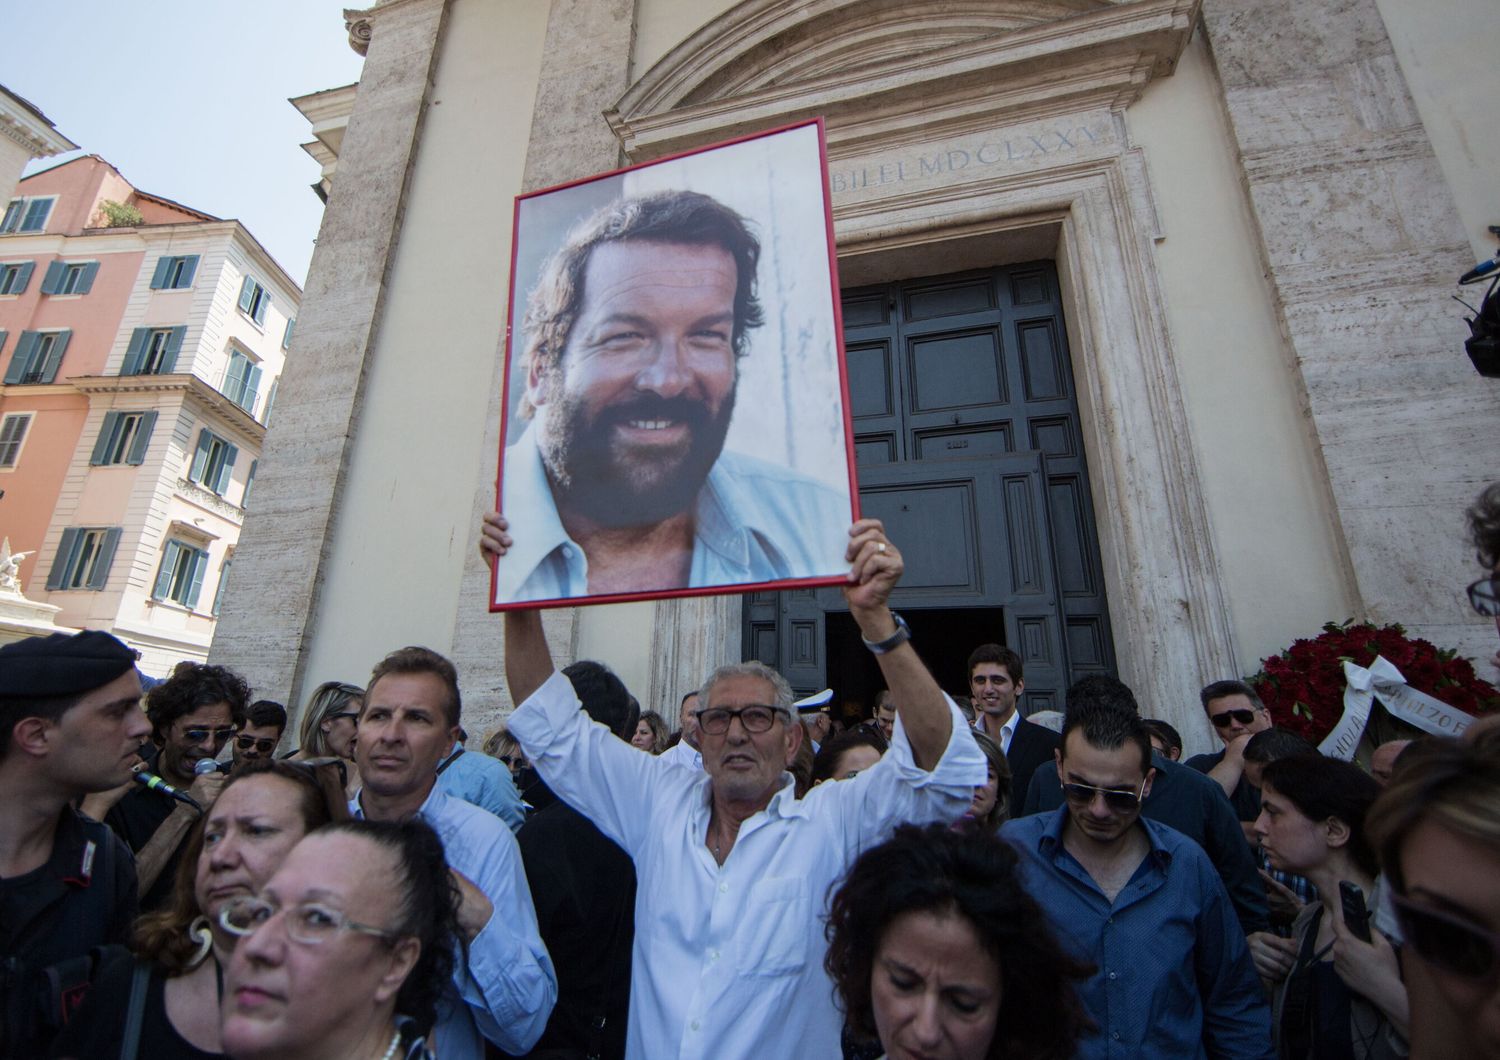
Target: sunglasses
(263, 744)
(204, 735)
(1122, 800)
(1484, 596)
(1448, 942)
(1241, 715)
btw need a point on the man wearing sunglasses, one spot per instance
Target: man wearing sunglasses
(1141, 902)
(193, 714)
(1236, 714)
(734, 870)
(265, 721)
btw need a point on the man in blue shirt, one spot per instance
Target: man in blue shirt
(1142, 902)
(483, 781)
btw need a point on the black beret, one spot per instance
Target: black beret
(62, 665)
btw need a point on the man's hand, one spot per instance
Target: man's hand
(494, 537)
(1284, 903)
(1234, 750)
(874, 569)
(1273, 955)
(206, 788)
(474, 909)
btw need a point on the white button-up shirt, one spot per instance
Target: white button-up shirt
(728, 960)
(1006, 731)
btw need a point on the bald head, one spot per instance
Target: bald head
(1383, 760)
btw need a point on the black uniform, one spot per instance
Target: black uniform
(52, 917)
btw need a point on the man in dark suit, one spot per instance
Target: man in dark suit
(995, 684)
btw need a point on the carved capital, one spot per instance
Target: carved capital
(359, 26)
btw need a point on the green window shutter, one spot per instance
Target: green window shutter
(137, 351)
(174, 343)
(249, 484)
(142, 439)
(247, 293)
(200, 458)
(52, 281)
(100, 576)
(65, 550)
(252, 388)
(221, 484)
(106, 439)
(23, 277)
(189, 270)
(21, 359)
(164, 575)
(3, 335)
(159, 276)
(265, 303)
(86, 281)
(198, 564)
(59, 347)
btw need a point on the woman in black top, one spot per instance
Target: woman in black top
(171, 982)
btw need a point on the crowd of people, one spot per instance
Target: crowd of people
(947, 879)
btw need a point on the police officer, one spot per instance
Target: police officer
(70, 724)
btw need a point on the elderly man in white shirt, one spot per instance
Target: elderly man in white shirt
(734, 871)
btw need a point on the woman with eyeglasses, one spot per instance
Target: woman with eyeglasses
(1437, 830)
(936, 950)
(346, 950)
(172, 982)
(329, 725)
(1338, 994)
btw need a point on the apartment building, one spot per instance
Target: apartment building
(141, 342)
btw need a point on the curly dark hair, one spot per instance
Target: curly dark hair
(974, 875)
(1484, 526)
(193, 685)
(428, 913)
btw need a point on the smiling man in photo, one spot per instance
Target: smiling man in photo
(633, 338)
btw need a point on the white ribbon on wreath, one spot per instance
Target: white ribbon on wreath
(1384, 682)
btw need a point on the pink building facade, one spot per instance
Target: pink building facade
(139, 355)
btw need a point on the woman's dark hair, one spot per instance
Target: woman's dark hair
(163, 936)
(1321, 788)
(428, 911)
(826, 761)
(973, 875)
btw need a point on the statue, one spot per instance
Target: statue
(10, 569)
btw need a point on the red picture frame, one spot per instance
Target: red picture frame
(787, 407)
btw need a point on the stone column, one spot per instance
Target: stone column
(272, 598)
(585, 68)
(1362, 242)
(692, 636)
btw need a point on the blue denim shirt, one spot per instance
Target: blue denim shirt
(477, 778)
(754, 522)
(1173, 973)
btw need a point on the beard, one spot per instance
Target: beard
(615, 484)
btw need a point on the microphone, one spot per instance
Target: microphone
(1484, 268)
(156, 783)
(205, 765)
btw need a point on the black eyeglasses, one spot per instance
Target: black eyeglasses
(1122, 800)
(1241, 715)
(263, 744)
(203, 735)
(1446, 941)
(1484, 596)
(756, 718)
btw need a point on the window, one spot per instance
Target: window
(70, 277)
(241, 381)
(254, 300)
(153, 351)
(123, 438)
(265, 416)
(180, 578)
(27, 214)
(15, 276)
(83, 558)
(249, 482)
(13, 430)
(37, 356)
(223, 581)
(174, 274)
(286, 336)
(213, 462)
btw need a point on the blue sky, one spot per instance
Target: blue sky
(188, 99)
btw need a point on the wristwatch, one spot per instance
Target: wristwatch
(894, 641)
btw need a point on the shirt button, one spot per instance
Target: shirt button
(713, 955)
(1111, 920)
(567, 550)
(695, 1027)
(1114, 975)
(723, 888)
(1115, 1036)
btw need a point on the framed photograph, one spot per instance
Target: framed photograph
(676, 415)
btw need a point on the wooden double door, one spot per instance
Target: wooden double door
(968, 446)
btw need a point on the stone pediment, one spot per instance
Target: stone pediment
(880, 70)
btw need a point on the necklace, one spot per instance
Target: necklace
(390, 1050)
